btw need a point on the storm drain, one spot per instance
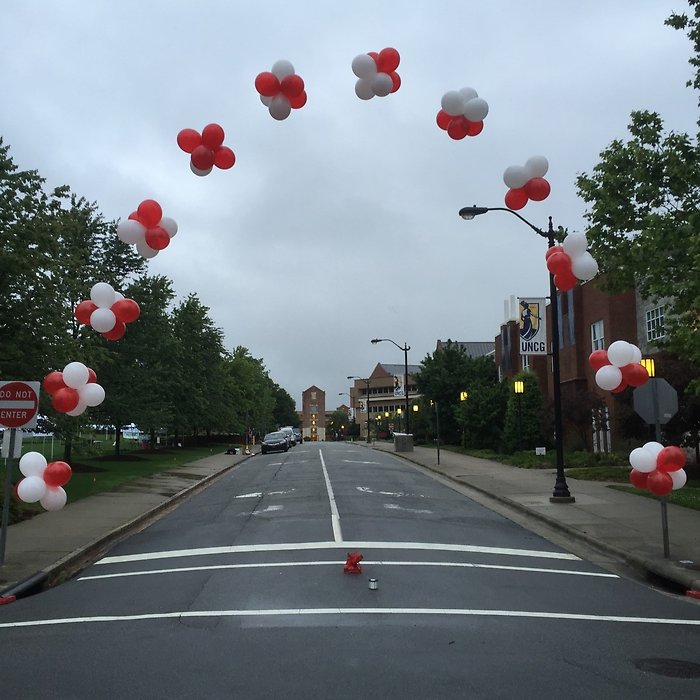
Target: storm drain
(672, 668)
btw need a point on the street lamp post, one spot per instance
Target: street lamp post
(405, 349)
(519, 388)
(561, 492)
(366, 381)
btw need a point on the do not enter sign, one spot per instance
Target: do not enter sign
(19, 404)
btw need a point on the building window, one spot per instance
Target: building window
(313, 395)
(655, 323)
(525, 363)
(597, 336)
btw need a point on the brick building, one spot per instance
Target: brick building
(313, 414)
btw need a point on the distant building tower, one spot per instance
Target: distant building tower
(313, 414)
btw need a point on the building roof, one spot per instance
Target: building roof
(385, 370)
(471, 348)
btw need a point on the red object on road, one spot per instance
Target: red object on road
(693, 594)
(352, 564)
(5, 599)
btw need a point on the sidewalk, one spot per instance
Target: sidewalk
(52, 546)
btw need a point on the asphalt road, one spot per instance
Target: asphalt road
(240, 592)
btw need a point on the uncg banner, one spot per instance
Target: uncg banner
(533, 326)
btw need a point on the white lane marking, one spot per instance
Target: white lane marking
(259, 494)
(398, 494)
(340, 562)
(335, 517)
(249, 495)
(534, 614)
(299, 546)
(357, 461)
(268, 509)
(395, 506)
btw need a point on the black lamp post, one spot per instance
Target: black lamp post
(366, 381)
(561, 492)
(405, 349)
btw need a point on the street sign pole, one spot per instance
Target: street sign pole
(9, 465)
(662, 499)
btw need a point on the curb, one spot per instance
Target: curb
(64, 568)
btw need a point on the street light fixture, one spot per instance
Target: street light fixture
(405, 349)
(561, 492)
(366, 381)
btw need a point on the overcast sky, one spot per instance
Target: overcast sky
(338, 224)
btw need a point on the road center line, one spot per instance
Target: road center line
(301, 546)
(335, 517)
(352, 611)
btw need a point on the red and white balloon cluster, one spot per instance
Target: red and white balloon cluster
(462, 114)
(526, 182)
(281, 90)
(147, 229)
(618, 367)
(658, 468)
(571, 261)
(206, 149)
(43, 482)
(74, 389)
(376, 73)
(107, 311)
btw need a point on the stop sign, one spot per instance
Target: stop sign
(19, 404)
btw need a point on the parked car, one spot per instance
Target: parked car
(289, 431)
(275, 442)
(300, 437)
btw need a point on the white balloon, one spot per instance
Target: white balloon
(169, 225)
(364, 66)
(75, 374)
(363, 89)
(91, 394)
(118, 296)
(279, 107)
(382, 84)
(453, 103)
(282, 68)
(145, 250)
(537, 166)
(102, 294)
(31, 489)
(642, 460)
(468, 93)
(575, 243)
(515, 176)
(196, 171)
(637, 354)
(80, 408)
(32, 464)
(54, 498)
(679, 478)
(131, 231)
(265, 100)
(653, 447)
(476, 109)
(103, 320)
(620, 353)
(584, 266)
(608, 377)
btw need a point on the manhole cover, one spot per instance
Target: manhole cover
(673, 668)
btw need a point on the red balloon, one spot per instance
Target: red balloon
(157, 238)
(443, 119)
(620, 387)
(537, 189)
(474, 128)
(149, 213)
(224, 157)
(212, 136)
(134, 216)
(388, 60)
(638, 479)
(552, 250)
(291, 85)
(597, 359)
(670, 459)
(92, 377)
(516, 199)
(267, 84)
(559, 263)
(635, 374)
(53, 381)
(83, 311)
(117, 333)
(126, 310)
(396, 81)
(57, 474)
(374, 55)
(188, 140)
(298, 101)
(564, 283)
(202, 158)
(457, 128)
(659, 483)
(66, 399)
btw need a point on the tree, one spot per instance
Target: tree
(337, 425)
(481, 415)
(285, 410)
(644, 217)
(524, 415)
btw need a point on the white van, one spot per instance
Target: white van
(289, 432)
